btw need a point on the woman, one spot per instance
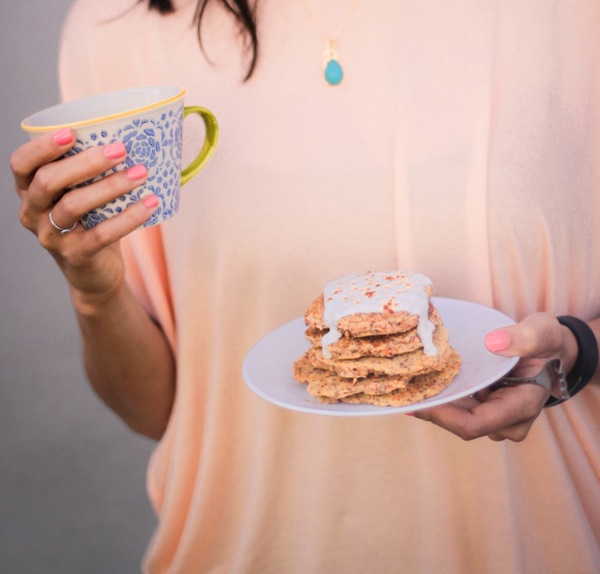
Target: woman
(461, 143)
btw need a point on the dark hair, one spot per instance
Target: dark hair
(243, 11)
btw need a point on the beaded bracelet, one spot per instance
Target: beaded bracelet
(587, 357)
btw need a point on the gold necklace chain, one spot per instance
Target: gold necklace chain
(332, 69)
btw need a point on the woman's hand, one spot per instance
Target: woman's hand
(509, 412)
(89, 259)
(127, 357)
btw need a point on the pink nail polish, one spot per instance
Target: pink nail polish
(114, 150)
(496, 341)
(151, 201)
(137, 172)
(63, 137)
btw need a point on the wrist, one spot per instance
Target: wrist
(581, 351)
(94, 303)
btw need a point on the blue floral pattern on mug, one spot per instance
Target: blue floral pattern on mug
(153, 140)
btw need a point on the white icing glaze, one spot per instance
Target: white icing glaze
(378, 292)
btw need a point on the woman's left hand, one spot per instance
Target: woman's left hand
(508, 412)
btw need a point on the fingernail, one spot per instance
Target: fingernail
(496, 341)
(410, 414)
(63, 137)
(114, 150)
(151, 201)
(137, 172)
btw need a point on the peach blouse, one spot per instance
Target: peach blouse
(464, 143)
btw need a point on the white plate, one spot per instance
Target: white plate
(268, 365)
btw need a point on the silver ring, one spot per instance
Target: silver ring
(63, 230)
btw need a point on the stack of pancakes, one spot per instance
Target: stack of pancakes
(389, 346)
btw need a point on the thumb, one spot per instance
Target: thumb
(537, 335)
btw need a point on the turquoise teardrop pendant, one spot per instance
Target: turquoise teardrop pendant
(333, 72)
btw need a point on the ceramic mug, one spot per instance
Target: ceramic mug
(149, 122)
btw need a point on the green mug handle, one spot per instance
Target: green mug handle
(210, 141)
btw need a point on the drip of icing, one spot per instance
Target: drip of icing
(378, 292)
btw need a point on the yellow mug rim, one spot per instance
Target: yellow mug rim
(107, 118)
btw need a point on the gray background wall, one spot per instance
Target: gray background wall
(72, 477)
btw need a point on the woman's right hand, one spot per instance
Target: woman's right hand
(127, 357)
(89, 258)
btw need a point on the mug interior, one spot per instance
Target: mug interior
(101, 107)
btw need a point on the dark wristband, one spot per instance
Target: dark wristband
(586, 364)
